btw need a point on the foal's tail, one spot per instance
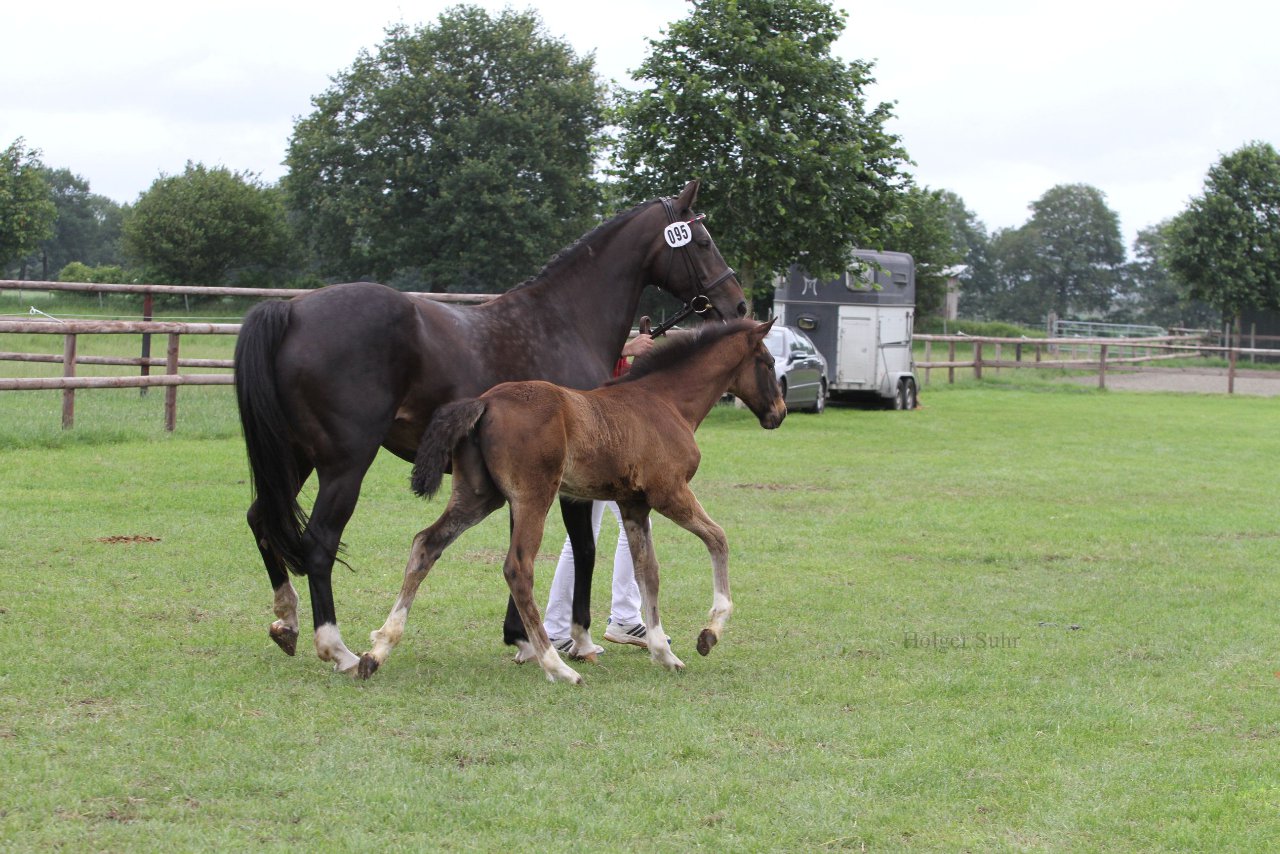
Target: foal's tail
(272, 463)
(451, 423)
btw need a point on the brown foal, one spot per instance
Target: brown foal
(630, 441)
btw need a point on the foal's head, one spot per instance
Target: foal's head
(754, 381)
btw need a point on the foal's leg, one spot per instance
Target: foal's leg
(582, 524)
(684, 509)
(466, 508)
(529, 515)
(635, 517)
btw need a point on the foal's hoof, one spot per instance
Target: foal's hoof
(706, 640)
(285, 638)
(367, 667)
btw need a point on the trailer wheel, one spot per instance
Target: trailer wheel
(900, 399)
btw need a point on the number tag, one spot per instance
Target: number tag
(678, 234)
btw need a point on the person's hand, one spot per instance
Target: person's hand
(638, 346)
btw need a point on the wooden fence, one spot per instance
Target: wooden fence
(985, 353)
(171, 379)
(1088, 354)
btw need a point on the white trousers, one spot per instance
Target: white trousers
(625, 607)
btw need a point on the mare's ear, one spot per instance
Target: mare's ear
(688, 195)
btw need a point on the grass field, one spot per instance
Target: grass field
(1021, 618)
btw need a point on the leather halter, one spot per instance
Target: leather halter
(700, 303)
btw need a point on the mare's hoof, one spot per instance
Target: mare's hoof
(367, 667)
(706, 640)
(285, 638)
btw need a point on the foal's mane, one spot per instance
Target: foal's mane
(680, 347)
(565, 256)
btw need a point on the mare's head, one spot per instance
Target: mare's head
(683, 259)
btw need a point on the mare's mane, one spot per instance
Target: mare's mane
(566, 255)
(680, 347)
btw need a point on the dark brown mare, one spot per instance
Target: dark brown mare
(630, 441)
(327, 378)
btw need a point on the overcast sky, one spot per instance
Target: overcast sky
(995, 101)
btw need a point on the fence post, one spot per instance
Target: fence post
(977, 360)
(147, 315)
(171, 392)
(951, 359)
(928, 357)
(68, 370)
(1102, 366)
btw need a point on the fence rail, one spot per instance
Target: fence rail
(1099, 354)
(171, 379)
(986, 353)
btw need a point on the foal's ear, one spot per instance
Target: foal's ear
(688, 195)
(761, 330)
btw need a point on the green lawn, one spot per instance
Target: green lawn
(1019, 618)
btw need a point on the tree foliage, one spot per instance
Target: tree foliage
(747, 96)
(1226, 245)
(1157, 296)
(1079, 250)
(207, 226)
(926, 226)
(459, 155)
(27, 212)
(1068, 259)
(86, 228)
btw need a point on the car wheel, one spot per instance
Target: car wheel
(820, 405)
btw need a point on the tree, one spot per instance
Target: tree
(1225, 247)
(86, 228)
(1068, 259)
(1080, 253)
(26, 211)
(925, 226)
(1158, 296)
(1011, 294)
(456, 157)
(207, 226)
(747, 97)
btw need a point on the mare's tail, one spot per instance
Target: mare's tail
(272, 461)
(451, 423)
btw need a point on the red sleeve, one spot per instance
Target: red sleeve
(621, 367)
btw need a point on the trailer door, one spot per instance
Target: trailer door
(895, 339)
(856, 365)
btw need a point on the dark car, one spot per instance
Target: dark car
(801, 369)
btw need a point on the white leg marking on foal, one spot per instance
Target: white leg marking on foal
(556, 669)
(329, 647)
(388, 637)
(721, 605)
(660, 649)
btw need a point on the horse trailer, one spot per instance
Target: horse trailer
(861, 322)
